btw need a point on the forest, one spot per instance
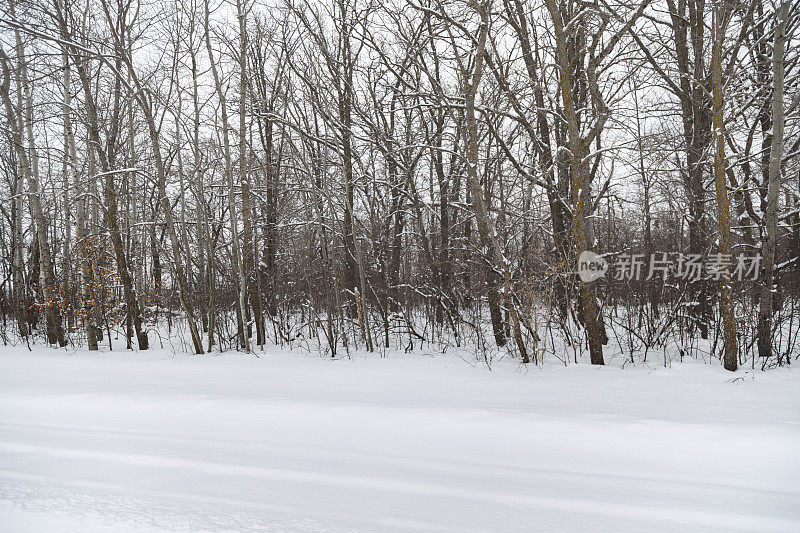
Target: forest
(349, 176)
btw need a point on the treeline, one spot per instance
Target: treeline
(373, 175)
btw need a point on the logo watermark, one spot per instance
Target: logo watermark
(591, 266)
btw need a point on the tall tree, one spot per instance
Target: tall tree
(731, 357)
(773, 186)
(21, 121)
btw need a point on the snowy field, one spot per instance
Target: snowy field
(293, 442)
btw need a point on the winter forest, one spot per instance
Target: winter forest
(399, 265)
(352, 175)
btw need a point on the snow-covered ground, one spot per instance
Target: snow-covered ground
(293, 442)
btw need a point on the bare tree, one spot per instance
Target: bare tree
(22, 121)
(773, 186)
(731, 358)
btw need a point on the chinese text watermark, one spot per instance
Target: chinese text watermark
(670, 265)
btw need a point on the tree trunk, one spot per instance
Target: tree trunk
(581, 187)
(247, 202)
(70, 157)
(344, 82)
(486, 229)
(17, 257)
(237, 255)
(773, 188)
(731, 357)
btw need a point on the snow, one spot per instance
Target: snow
(294, 442)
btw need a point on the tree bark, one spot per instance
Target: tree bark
(731, 357)
(773, 187)
(580, 186)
